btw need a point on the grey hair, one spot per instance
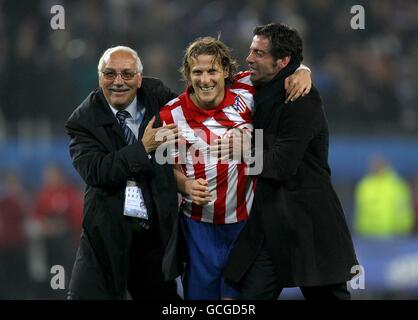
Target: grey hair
(104, 59)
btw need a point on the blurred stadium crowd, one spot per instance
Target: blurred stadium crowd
(368, 80)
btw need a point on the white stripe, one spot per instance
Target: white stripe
(214, 126)
(246, 80)
(234, 116)
(231, 194)
(208, 210)
(171, 102)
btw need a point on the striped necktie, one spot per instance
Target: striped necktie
(130, 139)
(129, 135)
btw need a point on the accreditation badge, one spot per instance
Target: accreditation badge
(134, 201)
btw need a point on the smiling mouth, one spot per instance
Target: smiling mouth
(119, 90)
(207, 89)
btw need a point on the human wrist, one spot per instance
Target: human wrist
(303, 67)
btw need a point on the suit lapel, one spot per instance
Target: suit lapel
(270, 97)
(105, 118)
(118, 130)
(147, 117)
(151, 109)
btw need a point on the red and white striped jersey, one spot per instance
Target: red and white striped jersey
(232, 190)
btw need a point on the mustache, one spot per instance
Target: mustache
(119, 88)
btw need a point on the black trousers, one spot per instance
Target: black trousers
(261, 283)
(145, 280)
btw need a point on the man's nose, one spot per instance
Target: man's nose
(205, 78)
(118, 80)
(250, 58)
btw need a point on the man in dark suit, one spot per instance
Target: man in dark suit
(113, 142)
(296, 235)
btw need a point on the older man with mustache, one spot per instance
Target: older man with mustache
(128, 243)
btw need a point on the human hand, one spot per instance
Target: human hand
(154, 137)
(236, 145)
(198, 191)
(297, 84)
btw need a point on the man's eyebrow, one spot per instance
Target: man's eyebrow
(112, 69)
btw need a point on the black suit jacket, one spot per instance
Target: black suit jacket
(103, 159)
(295, 209)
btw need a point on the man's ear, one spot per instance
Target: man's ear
(100, 81)
(283, 62)
(140, 81)
(226, 73)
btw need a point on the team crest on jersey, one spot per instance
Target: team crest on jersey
(239, 104)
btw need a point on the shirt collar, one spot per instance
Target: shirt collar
(200, 114)
(131, 108)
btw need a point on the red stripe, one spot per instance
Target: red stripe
(241, 75)
(169, 107)
(166, 115)
(244, 86)
(243, 180)
(241, 101)
(195, 117)
(203, 132)
(247, 116)
(219, 210)
(196, 155)
(222, 119)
